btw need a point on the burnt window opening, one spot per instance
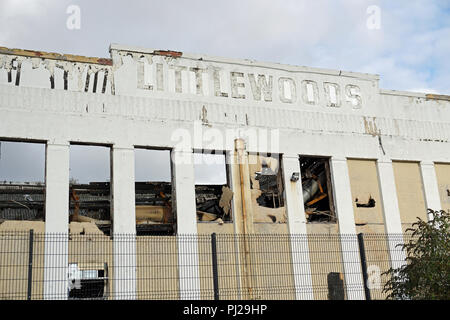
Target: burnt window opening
(267, 189)
(317, 189)
(153, 193)
(22, 183)
(87, 282)
(90, 189)
(213, 194)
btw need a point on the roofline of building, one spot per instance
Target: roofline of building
(55, 56)
(428, 96)
(207, 58)
(245, 62)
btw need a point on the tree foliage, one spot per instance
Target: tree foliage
(426, 273)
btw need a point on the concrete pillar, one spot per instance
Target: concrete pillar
(297, 228)
(186, 213)
(430, 186)
(56, 221)
(391, 211)
(123, 211)
(347, 229)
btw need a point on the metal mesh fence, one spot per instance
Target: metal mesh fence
(222, 266)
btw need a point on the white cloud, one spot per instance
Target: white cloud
(22, 20)
(13, 8)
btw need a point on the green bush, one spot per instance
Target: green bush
(426, 273)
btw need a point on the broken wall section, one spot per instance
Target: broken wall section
(267, 190)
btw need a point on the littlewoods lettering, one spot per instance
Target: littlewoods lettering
(212, 80)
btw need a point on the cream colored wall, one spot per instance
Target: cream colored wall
(13, 267)
(270, 228)
(443, 178)
(325, 255)
(364, 184)
(227, 266)
(157, 268)
(214, 227)
(14, 259)
(226, 260)
(408, 182)
(156, 258)
(259, 273)
(271, 267)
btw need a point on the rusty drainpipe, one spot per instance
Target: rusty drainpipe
(240, 152)
(239, 144)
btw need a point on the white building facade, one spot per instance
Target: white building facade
(189, 102)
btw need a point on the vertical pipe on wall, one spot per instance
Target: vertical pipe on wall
(246, 220)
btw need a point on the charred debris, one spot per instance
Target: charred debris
(91, 203)
(267, 190)
(317, 191)
(154, 210)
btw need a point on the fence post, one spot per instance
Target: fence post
(30, 264)
(362, 252)
(214, 266)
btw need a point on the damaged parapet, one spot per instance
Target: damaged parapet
(317, 192)
(56, 71)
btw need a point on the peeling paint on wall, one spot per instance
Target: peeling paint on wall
(370, 126)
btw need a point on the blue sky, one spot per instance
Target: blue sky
(409, 51)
